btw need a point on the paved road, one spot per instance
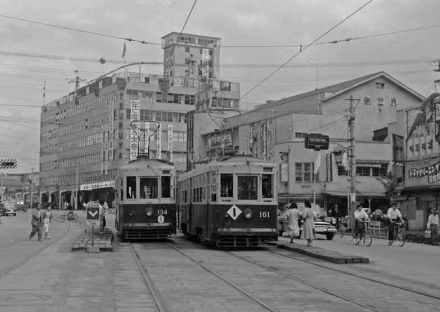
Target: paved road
(412, 263)
(47, 276)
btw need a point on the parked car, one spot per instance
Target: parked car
(2, 208)
(8, 210)
(19, 205)
(323, 225)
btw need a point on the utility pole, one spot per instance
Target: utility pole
(352, 159)
(32, 189)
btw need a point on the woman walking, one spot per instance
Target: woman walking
(308, 227)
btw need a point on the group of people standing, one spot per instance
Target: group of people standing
(40, 222)
(307, 216)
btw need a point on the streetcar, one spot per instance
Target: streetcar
(145, 199)
(230, 202)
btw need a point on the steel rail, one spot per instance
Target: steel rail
(414, 291)
(304, 282)
(155, 294)
(233, 285)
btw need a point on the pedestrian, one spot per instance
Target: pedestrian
(394, 217)
(308, 224)
(360, 216)
(102, 212)
(293, 217)
(433, 225)
(47, 218)
(36, 222)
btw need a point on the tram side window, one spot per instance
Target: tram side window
(226, 185)
(131, 187)
(166, 186)
(267, 187)
(247, 187)
(148, 187)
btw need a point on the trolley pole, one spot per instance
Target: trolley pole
(352, 160)
(32, 189)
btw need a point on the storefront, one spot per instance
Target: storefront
(421, 192)
(104, 191)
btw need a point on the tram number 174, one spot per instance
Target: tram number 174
(264, 214)
(162, 211)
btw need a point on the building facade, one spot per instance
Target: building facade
(88, 134)
(418, 189)
(276, 131)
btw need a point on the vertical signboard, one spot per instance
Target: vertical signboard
(134, 129)
(159, 142)
(146, 138)
(170, 141)
(328, 168)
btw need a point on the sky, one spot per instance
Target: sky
(32, 54)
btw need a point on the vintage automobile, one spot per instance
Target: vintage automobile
(323, 225)
(8, 210)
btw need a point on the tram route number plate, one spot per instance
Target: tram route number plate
(234, 212)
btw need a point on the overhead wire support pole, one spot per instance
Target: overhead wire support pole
(352, 158)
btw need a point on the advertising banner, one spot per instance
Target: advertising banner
(134, 130)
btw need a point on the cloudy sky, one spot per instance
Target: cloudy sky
(267, 32)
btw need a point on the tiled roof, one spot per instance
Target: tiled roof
(330, 91)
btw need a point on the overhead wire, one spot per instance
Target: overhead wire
(95, 33)
(303, 49)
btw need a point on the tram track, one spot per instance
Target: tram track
(152, 289)
(228, 282)
(306, 283)
(398, 287)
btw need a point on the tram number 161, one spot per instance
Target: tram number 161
(264, 214)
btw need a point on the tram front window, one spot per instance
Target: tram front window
(131, 187)
(166, 186)
(247, 187)
(266, 187)
(148, 187)
(226, 185)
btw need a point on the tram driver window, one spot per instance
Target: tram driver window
(226, 185)
(166, 186)
(266, 188)
(247, 187)
(131, 187)
(148, 188)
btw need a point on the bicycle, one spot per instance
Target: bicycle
(364, 235)
(399, 233)
(343, 226)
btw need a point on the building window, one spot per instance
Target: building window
(342, 171)
(380, 85)
(380, 101)
(304, 173)
(300, 134)
(363, 171)
(367, 100)
(187, 49)
(393, 102)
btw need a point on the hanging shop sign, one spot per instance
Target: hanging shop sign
(423, 172)
(97, 185)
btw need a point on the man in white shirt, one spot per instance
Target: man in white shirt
(394, 218)
(433, 225)
(360, 216)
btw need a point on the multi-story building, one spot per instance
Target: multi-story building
(276, 131)
(418, 188)
(87, 134)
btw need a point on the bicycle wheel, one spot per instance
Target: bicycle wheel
(400, 238)
(368, 239)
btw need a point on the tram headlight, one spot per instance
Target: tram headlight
(149, 211)
(248, 213)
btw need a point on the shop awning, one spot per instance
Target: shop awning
(365, 186)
